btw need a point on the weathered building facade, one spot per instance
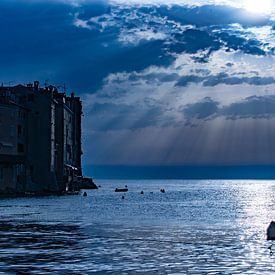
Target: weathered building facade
(40, 140)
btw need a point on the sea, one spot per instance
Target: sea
(195, 227)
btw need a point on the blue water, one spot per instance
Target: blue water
(195, 227)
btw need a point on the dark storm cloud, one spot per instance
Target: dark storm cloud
(189, 79)
(193, 41)
(237, 42)
(39, 39)
(253, 107)
(223, 78)
(201, 110)
(42, 35)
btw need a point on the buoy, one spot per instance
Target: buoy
(126, 186)
(141, 192)
(271, 231)
(85, 194)
(162, 190)
(123, 197)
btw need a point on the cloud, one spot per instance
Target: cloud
(209, 15)
(82, 44)
(183, 28)
(188, 79)
(136, 36)
(253, 107)
(224, 78)
(201, 110)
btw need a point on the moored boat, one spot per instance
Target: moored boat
(121, 190)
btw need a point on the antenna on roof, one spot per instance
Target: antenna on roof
(65, 88)
(62, 87)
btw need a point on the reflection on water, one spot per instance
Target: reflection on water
(196, 227)
(30, 247)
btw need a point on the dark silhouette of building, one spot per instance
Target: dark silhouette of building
(40, 140)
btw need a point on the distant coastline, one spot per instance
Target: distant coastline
(257, 172)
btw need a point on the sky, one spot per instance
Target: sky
(162, 82)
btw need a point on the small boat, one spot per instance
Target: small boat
(271, 231)
(121, 190)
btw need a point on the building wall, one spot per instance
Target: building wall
(76, 107)
(40, 159)
(8, 127)
(12, 144)
(40, 140)
(68, 136)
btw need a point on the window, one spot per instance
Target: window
(31, 97)
(69, 151)
(12, 131)
(1, 173)
(20, 148)
(19, 130)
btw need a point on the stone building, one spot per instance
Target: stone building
(40, 140)
(13, 127)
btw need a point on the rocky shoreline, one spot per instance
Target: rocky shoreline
(86, 183)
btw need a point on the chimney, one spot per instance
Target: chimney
(36, 85)
(51, 88)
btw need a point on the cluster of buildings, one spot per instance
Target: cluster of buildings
(40, 140)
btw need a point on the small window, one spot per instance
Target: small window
(20, 148)
(1, 173)
(19, 130)
(31, 97)
(12, 131)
